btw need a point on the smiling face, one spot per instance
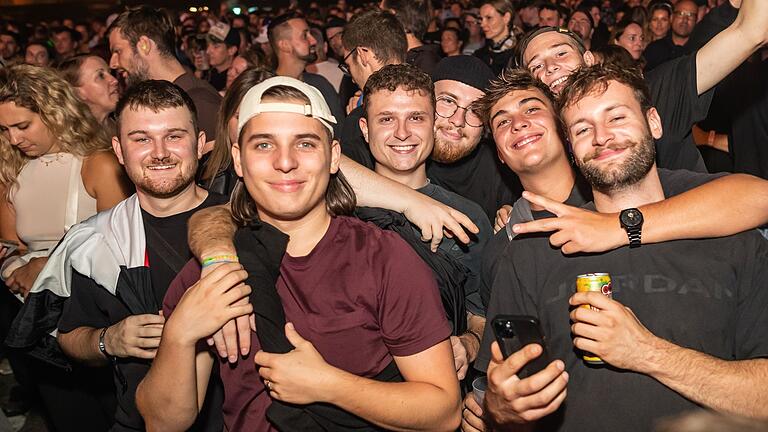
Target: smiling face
(158, 149)
(286, 169)
(551, 57)
(454, 138)
(633, 40)
(25, 130)
(524, 127)
(399, 127)
(581, 25)
(612, 139)
(97, 88)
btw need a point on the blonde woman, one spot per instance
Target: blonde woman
(56, 167)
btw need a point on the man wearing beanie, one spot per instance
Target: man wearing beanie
(462, 160)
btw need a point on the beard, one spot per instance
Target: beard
(614, 178)
(163, 188)
(310, 57)
(446, 151)
(139, 74)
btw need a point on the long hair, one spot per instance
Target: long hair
(221, 155)
(44, 92)
(339, 197)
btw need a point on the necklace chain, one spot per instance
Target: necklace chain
(48, 163)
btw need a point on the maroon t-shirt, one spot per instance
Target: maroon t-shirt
(361, 296)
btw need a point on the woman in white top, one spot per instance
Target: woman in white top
(56, 168)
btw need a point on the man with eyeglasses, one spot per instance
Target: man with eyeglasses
(674, 44)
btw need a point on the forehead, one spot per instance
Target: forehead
(545, 41)
(400, 99)
(35, 48)
(660, 13)
(579, 16)
(633, 28)
(463, 92)
(93, 62)
(686, 6)
(7, 38)
(512, 100)
(615, 94)
(146, 118)
(11, 113)
(298, 24)
(487, 10)
(280, 124)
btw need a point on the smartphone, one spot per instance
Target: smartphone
(10, 244)
(513, 332)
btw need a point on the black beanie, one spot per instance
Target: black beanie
(466, 69)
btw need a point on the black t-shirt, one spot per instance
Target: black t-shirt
(661, 51)
(581, 194)
(675, 96)
(480, 177)
(218, 80)
(709, 295)
(353, 143)
(425, 57)
(331, 98)
(748, 140)
(467, 255)
(90, 305)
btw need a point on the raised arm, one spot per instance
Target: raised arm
(697, 213)
(731, 47)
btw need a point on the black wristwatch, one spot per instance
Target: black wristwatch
(632, 221)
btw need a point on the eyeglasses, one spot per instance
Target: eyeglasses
(690, 15)
(446, 107)
(343, 64)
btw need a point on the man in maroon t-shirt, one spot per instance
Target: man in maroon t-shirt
(356, 298)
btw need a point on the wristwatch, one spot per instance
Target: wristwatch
(632, 221)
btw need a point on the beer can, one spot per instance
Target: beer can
(598, 282)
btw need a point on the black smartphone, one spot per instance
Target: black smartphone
(513, 332)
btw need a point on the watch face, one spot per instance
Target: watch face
(631, 217)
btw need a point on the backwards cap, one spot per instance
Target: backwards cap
(251, 105)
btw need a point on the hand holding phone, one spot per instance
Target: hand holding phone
(513, 332)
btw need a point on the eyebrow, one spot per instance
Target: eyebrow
(143, 132)
(272, 136)
(521, 103)
(548, 48)
(609, 109)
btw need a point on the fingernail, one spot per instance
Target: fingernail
(232, 359)
(566, 376)
(560, 365)
(535, 349)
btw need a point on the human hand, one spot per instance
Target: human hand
(459, 357)
(217, 298)
(352, 103)
(472, 415)
(136, 336)
(511, 400)
(502, 216)
(612, 333)
(433, 218)
(236, 333)
(301, 376)
(575, 229)
(22, 279)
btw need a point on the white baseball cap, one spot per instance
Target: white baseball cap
(251, 105)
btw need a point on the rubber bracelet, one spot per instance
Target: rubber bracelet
(210, 263)
(220, 258)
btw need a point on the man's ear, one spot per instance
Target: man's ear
(363, 123)
(335, 156)
(236, 159)
(589, 58)
(200, 143)
(364, 56)
(284, 45)
(118, 149)
(144, 45)
(654, 123)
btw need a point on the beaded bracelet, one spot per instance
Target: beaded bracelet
(217, 259)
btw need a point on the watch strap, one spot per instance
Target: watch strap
(634, 235)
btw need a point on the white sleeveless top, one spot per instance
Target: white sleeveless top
(49, 198)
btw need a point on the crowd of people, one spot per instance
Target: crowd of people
(312, 217)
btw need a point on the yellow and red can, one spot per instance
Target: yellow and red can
(597, 282)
